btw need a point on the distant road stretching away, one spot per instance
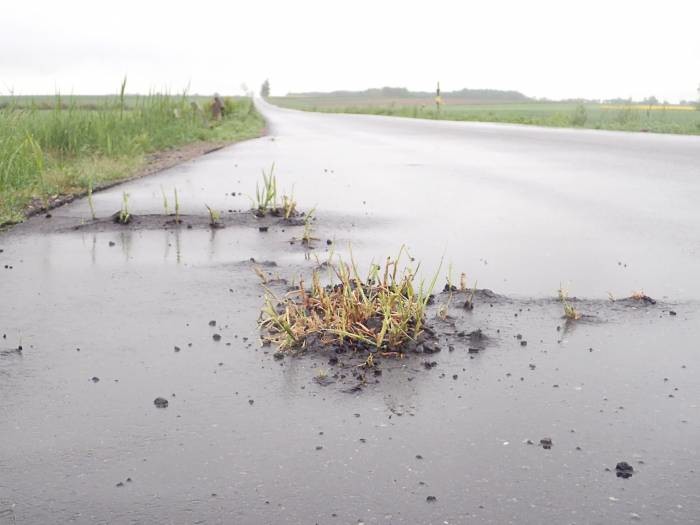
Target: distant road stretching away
(566, 204)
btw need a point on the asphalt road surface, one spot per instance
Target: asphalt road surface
(248, 439)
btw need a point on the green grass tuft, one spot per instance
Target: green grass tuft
(380, 313)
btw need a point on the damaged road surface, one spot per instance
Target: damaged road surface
(134, 387)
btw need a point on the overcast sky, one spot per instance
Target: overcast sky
(555, 49)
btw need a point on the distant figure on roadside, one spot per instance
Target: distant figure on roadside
(217, 108)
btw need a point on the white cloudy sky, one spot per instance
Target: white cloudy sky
(547, 48)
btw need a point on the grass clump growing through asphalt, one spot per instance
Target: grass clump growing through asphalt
(570, 313)
(166, 208)
(289, 205)
(444, 309)
(266, 198)
(123, 215)
(307, 237)
(89, 199)
(266, 195)
(177, 207)
(382, 312)
(214, 217)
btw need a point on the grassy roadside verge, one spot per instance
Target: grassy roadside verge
(47, 156)
(658, 118)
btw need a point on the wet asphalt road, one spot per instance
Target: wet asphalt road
(519, 209)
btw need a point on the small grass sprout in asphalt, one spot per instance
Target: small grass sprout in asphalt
(266, 198)
(463, 288)
(266, 195)
(89, 199)
(289, 205)
(177, 207)
(570, 313)
(380, 313)
(307, 237)
(642, 297)
(261, 274)
(469, 302)
(444, 309)
(562, 293)
(369, 362)
(166, 208)
(214, 217)
(123, 216)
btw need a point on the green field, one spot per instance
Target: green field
(624, 117)
(54, 146)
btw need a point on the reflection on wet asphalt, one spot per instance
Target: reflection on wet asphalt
(248, 439)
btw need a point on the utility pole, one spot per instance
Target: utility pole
(438, 99)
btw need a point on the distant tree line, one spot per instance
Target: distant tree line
(476, 94)
(401, 92)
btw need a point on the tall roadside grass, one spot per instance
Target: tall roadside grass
(45, 153)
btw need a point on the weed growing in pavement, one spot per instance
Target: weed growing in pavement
(380, 313)
(444, 309)
(307, 236)
(166, 208)
(469, 302)
(641, 296)
(369, 362)
(562, 293)
(261, 274)
(289, 205)
(214, 217)
(89, 199)
(570, 313)
(177, 207)
(123, 216)
(266, 196)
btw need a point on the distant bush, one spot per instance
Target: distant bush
(579, 116)
(232, 107)
(626, 115)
